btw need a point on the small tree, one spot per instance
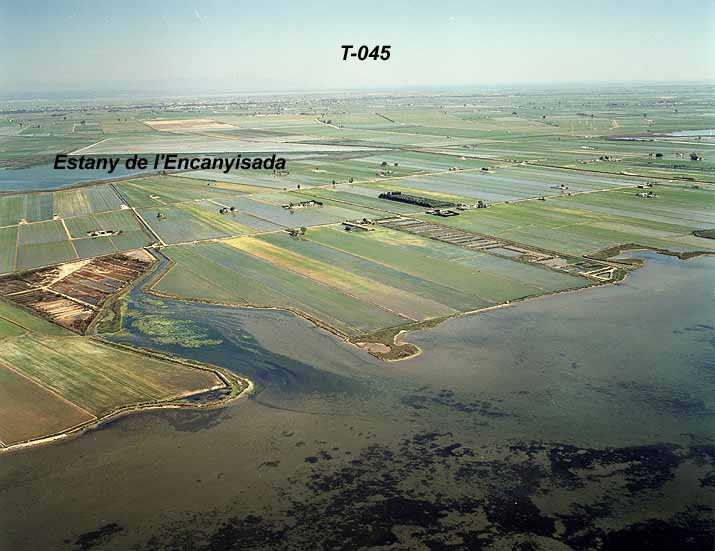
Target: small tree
(303, 230)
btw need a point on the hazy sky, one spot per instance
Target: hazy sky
(235, 46)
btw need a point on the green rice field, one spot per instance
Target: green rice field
(28, 322)
(165, 190)
(588, 223)
(193, 221)
(8, 244)
(101, 198)
(52, 380)
(38, 207)
(221, 273)
(54, 383)
(40, 229)
(325, 274)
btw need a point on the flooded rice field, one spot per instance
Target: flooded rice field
(582, 420)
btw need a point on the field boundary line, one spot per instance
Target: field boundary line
(75, 152)
(104, 376)
(69, 237)
(493, 274)
(379, 263)
(17, 249)
(246, 213)
(47, 388)
(324, 284)
(378, 209)
(13, 322)
(156, 235)
(153, 286)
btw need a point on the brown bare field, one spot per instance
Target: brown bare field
(27, 410)
(71, 294)
(188, 125)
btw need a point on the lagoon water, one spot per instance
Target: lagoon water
(45, 177)
(582, 420)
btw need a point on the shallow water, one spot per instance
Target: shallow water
(45, 177)
(583, 419)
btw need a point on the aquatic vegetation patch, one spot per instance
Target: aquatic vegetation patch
(491, 497)
(182, 333)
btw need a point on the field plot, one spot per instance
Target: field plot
(29, 410)
(12, 209)
(309, 173)
(354, 196)
(464, 123)
(363, 280)
(97, 377)
(219, 272)
(70, 295)
(418, 161)
(165, 190)
(39, 207)
(265, 120)
(392, 138)
(657, 156)
(258, 134)
(20, 317)
(44, 241)
(504, 184)
(31, 207)
(269, 207)
(678, 205)
(368, 120)
(354, 282)
(194, 221)
(202, 143)
(325, 171)
(588, 223)
(187, 125)
(111, 126)
(248, 179)
(489, 278)
(22, 148)
(95, 246)
(76, 202)
(51, 384)
(10, 329)
(123, 225)
(8, 246)
(42, 244)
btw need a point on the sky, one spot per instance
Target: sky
(235, 46)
